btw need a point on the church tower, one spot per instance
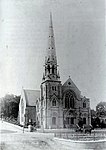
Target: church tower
(51, 94)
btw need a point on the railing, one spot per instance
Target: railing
(95, 135)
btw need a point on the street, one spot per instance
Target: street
(13, 138)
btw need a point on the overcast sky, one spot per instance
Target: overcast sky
(79, 28)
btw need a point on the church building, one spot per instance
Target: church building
(56, 105)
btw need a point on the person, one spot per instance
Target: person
(2, 119)
(30, 126)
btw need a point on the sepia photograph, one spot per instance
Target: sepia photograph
(52, 75)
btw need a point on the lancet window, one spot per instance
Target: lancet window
(69, 100)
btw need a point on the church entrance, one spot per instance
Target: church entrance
(54, 123)
(69, 122)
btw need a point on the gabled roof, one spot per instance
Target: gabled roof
(31, 96)
(70, 83)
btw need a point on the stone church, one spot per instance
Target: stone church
(56, 105)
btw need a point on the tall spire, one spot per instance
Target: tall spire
(51, 52)
(51, 60)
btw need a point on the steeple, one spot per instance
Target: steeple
(50, 59)
(51, 52)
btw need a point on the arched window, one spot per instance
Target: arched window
(54, 102)
(84, 105)
(53, 69)
(48, 68)
(54, 120)
(55, 88)
(69, 100)
(84, 120)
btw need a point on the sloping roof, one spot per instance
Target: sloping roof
(31, 96)
(70, 83)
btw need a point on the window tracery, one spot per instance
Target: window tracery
(69, 100)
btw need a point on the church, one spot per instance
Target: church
(55, 105)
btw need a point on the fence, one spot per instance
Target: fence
(95, 135)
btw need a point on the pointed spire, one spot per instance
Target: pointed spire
(51, 24)
(50, 58)
(51, 52)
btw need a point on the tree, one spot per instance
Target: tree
(101, 109)
(9, 105)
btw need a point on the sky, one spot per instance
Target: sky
(79, 29)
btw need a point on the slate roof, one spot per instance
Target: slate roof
(31, 96)
(70, 83)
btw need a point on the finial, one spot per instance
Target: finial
(50, 19)
(69, 76)
(50, 14)
(58, 75)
